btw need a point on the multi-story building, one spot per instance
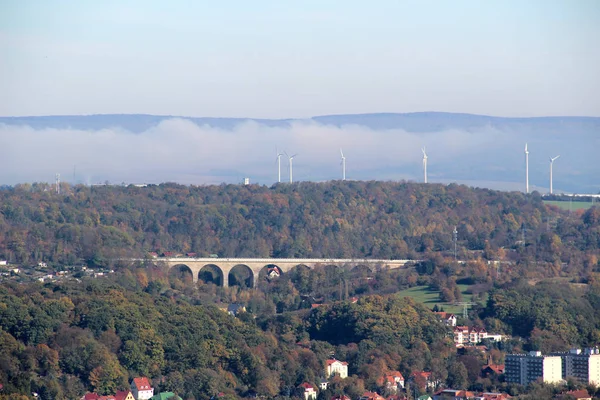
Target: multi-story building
(583, 365)
(463, 335)
(336, 367)
(141, 389)
(526, 368)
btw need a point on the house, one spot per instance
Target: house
(96, 396)
(494, 337)
(141, 389)
(192, 255)
(461, 335)
(336, 367)
(447, 318)
(371, 396)
(235, 309)
(153, 254)
(453, 394)
(323, 384)
(491, 369)
(392, 381)
(424, 397)
(476, 335)
(577, 395)
(124, 395)
(309, 391)
(495, 396)
(273, 272)
(464, 335)
(397, 397)
(424, 380)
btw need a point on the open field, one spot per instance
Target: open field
(570, 205)
(424, 295)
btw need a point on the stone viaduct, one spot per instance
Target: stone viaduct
(225, 265)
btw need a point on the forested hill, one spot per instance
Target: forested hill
(334, 219)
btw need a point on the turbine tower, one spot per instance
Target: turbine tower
(278, 165)
(291, 158)
(526, 169)
(552, 159)
(424, 165)
(57, 180)
(343, 166)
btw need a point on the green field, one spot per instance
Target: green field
(424, 295)
(570, 205)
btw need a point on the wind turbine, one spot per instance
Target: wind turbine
(424, 164)
(343, 166)
(552, 159)
(526, 169)
(291, 158)
(278, 165)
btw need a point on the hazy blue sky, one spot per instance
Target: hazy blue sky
(300, 58)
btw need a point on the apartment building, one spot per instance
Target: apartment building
(526, 368)
(583, 365)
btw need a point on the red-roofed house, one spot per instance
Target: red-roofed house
(124, 395)
(371, 396)
(448, 318)
(489, 369)
(96, 396)
(309, 391)
(464, 335)
(579, 394)
(336, 367)
(141, 388)
(392, 381)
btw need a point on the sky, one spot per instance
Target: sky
(294, 59)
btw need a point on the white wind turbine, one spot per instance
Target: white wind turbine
(278, 165)
(552, 159)
(291, 158)
(343, 166)
(526, 169)
(424, 164)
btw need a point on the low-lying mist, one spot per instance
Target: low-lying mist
(179, 150)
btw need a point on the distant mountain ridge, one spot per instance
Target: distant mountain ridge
(412, 122)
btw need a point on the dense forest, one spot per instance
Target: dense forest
(65, 338)
(532, 272)
(62, 339)
(93, 225)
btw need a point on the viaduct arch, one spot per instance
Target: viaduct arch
(255, 265)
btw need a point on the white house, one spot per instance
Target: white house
(309, 391)
(141, 388)
(336, 367)
(448, 318)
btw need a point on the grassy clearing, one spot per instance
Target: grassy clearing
(429, 297)
(570, 205)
